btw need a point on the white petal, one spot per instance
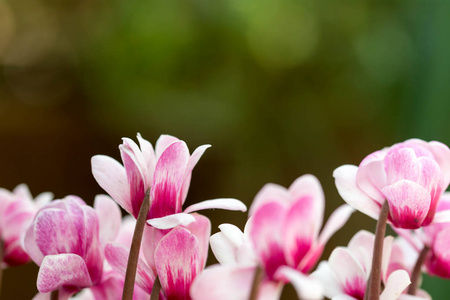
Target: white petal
(222, 203)
(171, 221)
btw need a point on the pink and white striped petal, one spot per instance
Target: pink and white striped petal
(201, 228)
(171, 221)
(179, 261)
(221, 203)
(111, 176)
(61, 270)
(408, 203)
(167, 180)
(117, 256)
(345, 179)
(149, 156)
(163, 142)
(371, 176)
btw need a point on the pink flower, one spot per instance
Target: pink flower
(175, 256)
(345, 274)
(282, 235)
(411, 176)
(296, 215)
(436, 238)
(165, 170)
(17, 210)
(63, 240)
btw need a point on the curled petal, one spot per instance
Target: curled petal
(62, 270)
(226, 243)
(335, 222)
(223, 203)
(345, 179)
(371, 176)
(171, 221)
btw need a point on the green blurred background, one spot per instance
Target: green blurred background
(279, 88)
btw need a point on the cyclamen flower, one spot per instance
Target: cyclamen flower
(64, 241)
(344, 275)
(166, 171)
(176, 256)
(17, 210)
(435, 238)
(411, 176)
(282, 236)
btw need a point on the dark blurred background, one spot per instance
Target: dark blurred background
(279, 88)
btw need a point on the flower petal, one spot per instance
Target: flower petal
(178, 262)
(371, 176)
(395, 285)
(306, 287)
(62, 270)
(201, 228)
(167, 180)
(345, 179)
(408, 203)
(193, 160)
(149, 156)
(226, 243)
(222, 203)
(269, 193)
(330, 284)
(163, 142)
(223, 282)
(109, 218)
(171, 221)
(111, 176)
(117, 256)
(335, 222)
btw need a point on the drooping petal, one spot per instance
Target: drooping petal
(371, 177)
(306, 287)
(408, 204)
(111, 176)
(201, 228)
(193, 160)
(345, 179)
(395, 285)
(171, 221)
(270, 192)
(223, 283)
(62, 270)
(223, 203)
(117, 256)
(178, 262)
(307, 189)
(267, 220)
(109, 218)
(167, 180)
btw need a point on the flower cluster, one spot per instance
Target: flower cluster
(159, 250)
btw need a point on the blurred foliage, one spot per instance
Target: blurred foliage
(279, 88)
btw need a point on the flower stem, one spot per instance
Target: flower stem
(417, 271)
(156, 289)
(54, 295)
(256, 282)
(374, 283)
(133, 257)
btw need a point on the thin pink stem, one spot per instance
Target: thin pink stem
(133, 257)
(417, 271)
(256, 282)
(374, 283)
